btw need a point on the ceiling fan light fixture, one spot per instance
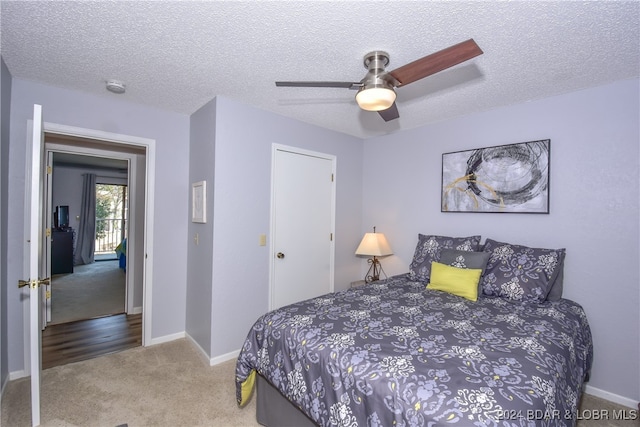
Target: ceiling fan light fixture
(376, 91)
(375, 98)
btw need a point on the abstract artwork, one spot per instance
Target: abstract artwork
(510, 178)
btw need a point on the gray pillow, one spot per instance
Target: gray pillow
(466, 259)
(429, 249)
(556, 289)
(521, 273)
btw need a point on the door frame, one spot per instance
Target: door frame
(275, 147)
(149, 145)
(133, 190)
(48, 184)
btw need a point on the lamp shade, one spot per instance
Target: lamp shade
(375, 98)
(374, 244)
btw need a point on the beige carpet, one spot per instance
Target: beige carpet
(164, 385)
(92, 290)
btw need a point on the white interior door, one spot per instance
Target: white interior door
(303, 195)
(33, 260)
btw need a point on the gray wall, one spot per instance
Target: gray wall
(594, 191)
(242, 207)
(200, 253)
(111, 114)
(228, 274)
(5, 110)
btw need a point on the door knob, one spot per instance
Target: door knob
(280, 255)
(34, 283)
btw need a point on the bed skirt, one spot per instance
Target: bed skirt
(274, 410)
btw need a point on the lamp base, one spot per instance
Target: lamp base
(374, 271)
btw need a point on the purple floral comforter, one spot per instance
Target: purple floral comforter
(393, 353)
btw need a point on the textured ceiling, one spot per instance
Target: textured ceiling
(179, 55)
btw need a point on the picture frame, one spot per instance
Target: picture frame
(511, 178)
(199, 202)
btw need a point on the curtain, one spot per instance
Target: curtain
(86, 235)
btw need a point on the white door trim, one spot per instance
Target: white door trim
(150, 146)
(272, 249)
(48, 158)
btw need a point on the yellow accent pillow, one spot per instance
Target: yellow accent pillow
(458, 281)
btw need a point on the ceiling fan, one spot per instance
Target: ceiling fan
(376, 90)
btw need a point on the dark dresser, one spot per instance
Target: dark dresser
(62, 251)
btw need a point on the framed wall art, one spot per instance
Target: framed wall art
(199, 202)
(511, 178)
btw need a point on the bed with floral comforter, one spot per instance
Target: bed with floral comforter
(393, 353)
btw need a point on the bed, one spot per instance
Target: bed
(421, 349)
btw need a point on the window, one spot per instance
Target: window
(111, 217)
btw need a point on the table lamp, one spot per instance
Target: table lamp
(374, 245)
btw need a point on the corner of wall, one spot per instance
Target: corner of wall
(202, 129)
(5, 125)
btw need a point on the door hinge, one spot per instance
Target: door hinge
(48, 294)
(49, 170)
(48, 232)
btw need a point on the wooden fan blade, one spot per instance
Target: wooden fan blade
(390, 113)
(347, 85)
(436, 62)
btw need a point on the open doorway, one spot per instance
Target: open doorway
(118, 242)
(141, 153)
(89, 202)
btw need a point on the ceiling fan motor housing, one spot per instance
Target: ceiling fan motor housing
(376, 62)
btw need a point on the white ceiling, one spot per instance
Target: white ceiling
(178, 55)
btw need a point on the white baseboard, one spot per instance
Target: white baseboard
(4, 385)
(166, 338)
(212, 361)
(136, 310)
(611, 397)
(16, 375)
(224, 358)
(201, 351)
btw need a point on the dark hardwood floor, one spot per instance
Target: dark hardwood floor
(85, 339)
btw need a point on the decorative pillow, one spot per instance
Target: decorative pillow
(454, 280)
(465, 259)
(556, 289)
(429, 248)
(520, 273)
